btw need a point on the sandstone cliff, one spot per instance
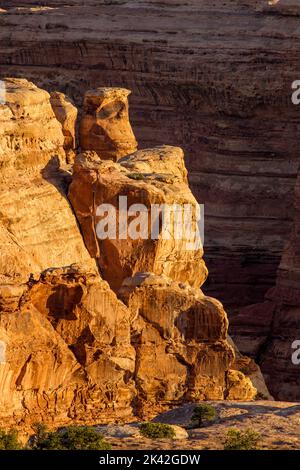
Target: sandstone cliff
(211, 76)
(66, 113)
(36, 219)
(150, 177)
(71, 350)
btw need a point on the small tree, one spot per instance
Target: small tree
(9, 440)
(70, 438)
(40, 435)
(242, 440)
(203, 412)
(157, 430)
(260, 396)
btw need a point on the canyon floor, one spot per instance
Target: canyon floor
(277, 422)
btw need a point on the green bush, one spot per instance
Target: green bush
(70, 438)
(242, 440)
(202, 413)
(157, 430)
(9, 440)
(136, 176)
(260, 396)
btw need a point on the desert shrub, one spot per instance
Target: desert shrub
(260, 396)
(9, 440)
(244, 370)
(70, 438)
(136, 176)
(203, 412)
(242, 440)
(157, 430)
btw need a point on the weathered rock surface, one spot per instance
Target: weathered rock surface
(277, 422)
(93, 323)
(67, 352)
(37, 226)
(105, 126)
(252, 371)
(211, 76)
(132, 431)
(180, 339)
(154, 176)
(30, 133)
(70, 350)
(66, 113)
(35, 219)
(43, 317)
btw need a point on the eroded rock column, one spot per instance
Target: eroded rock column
(66, 113)
(105, 126)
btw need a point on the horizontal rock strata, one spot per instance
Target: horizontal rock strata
(268, 331)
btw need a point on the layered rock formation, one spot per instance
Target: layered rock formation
(180, 341)
(41, 376)
(268, 330)
(71, 351)
(34, 211)
(68, 356)
(212, 76)
(149, 177)
(66, 114)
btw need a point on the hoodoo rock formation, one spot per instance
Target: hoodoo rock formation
(71, 350)
(105, 126)
(211, 76)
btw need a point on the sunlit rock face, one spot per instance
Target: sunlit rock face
(212, 77)
(66, 113)
(105, 126)
(29, 133)
(71, 351)
(68, 355)
(180, 339)
(37, 226)
(149, 177)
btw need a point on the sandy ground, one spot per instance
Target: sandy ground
(277, 422)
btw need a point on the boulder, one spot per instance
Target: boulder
(239, 387)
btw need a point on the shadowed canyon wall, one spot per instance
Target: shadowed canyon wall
(211, 76)
(270, 331)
